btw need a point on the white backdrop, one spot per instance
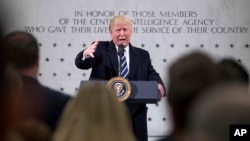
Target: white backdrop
(165, 28)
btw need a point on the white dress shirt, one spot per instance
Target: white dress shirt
(126, 53)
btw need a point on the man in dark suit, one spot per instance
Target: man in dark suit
(36, 101)
(102, 57)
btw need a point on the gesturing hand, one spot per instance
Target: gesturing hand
(162, 91)
(89, 52)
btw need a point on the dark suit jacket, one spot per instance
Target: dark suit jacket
(105, 66)
(40, 102)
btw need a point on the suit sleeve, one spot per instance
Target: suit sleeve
(152, 73)
(90, 62)
(83, 64)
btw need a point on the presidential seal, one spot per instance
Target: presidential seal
(121, 86)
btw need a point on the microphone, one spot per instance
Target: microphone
(120, 54)
(121, 50)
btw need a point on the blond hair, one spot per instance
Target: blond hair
(95, 114)
(119, 20)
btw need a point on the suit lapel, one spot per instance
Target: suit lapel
(134, 60)
(112, 53)
(133, 54)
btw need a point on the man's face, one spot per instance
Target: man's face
(121, 33)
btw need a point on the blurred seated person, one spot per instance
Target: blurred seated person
(21, 50)
(232, 71)
(211, 116)
(29, 130)
(10, 86)
(189, 75)
(95, 115)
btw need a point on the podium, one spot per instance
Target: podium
(141, 91)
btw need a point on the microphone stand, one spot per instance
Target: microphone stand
(120, 54)
(119, 68)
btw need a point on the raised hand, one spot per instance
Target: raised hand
(89, 52)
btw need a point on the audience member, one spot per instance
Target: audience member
(211, 116)
(232, 71)
(3, 97)
(10, 85)
(29, 130)
(189, 76)
(37, 101)
(94, 115)
(10, 90)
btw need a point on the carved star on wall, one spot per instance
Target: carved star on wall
(142, 45)
(47, 59)
(247, 45)
(157, 45)
(216, 45)
(76, 89)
